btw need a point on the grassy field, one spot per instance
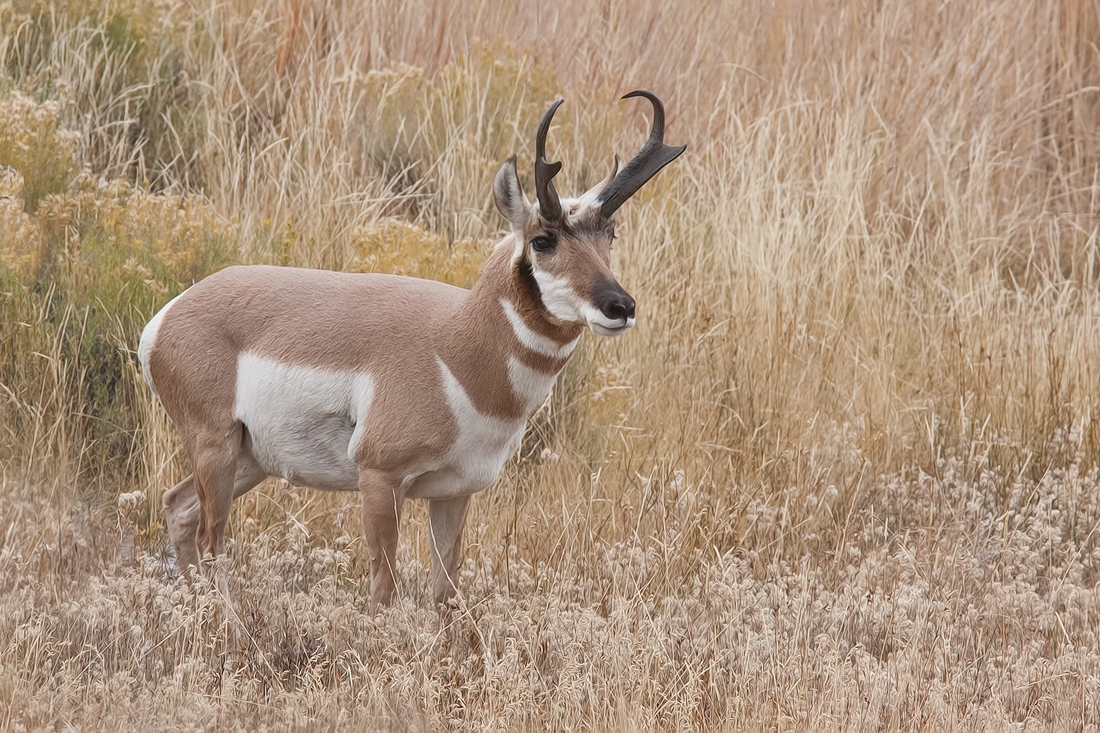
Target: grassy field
(844, 474)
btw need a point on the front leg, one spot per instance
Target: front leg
(446, 518)
(382, 499)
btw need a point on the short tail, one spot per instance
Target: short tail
(148, 341)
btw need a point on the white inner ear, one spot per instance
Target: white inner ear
(513, 205)
(520, 246)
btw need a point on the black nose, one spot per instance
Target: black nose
(614, 302)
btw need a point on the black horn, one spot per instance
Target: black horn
(653, 156)
(549, 203)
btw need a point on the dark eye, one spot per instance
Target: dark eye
(543, 244)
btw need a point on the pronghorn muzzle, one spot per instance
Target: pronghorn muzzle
(611, 300)
(614, 305)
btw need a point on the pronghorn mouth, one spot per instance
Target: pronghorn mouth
(625, 324)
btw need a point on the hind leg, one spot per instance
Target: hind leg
(182, 510)
(214, 456)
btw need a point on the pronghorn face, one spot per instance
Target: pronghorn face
(572, 266)
(565, 245)
(570, 259)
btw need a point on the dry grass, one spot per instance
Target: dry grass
(844, 474)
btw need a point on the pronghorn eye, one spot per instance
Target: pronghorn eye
(543, 244)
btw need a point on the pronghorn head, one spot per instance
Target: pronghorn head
(564, 245)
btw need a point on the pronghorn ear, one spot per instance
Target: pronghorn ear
(511, 201)
(615, 168)
(618, 166)
(595, 190)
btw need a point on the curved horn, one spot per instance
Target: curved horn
(653, 156)
(549, 203)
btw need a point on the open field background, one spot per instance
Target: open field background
(845, 473)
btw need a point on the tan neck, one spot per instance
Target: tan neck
(480, 340)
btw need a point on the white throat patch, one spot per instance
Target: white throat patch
(483, 443)
(535, 342)
(530, 386)
(559, 297)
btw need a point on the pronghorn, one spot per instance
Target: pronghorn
(395, 387)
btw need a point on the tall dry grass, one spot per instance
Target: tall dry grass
(844, 474)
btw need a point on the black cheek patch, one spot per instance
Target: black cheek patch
(530, 284)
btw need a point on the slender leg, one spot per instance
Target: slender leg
(446, 518)
(215, 459)
(182, 511)
(382, 500)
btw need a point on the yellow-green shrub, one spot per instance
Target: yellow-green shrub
(83, 263)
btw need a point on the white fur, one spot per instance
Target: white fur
(148, 340)
(530, 386)
(305, 423)
(534, 341)
(519, 246)
(483, 445)
(604, 326)
(559, 297)
(587, 200)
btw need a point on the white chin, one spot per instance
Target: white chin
(602, 330)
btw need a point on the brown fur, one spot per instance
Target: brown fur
(393, 328)
(583, 254)
(342, 322)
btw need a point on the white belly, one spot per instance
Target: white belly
(303, 421)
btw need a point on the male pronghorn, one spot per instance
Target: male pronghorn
(393, 386)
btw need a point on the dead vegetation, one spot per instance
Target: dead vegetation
(843, 474)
